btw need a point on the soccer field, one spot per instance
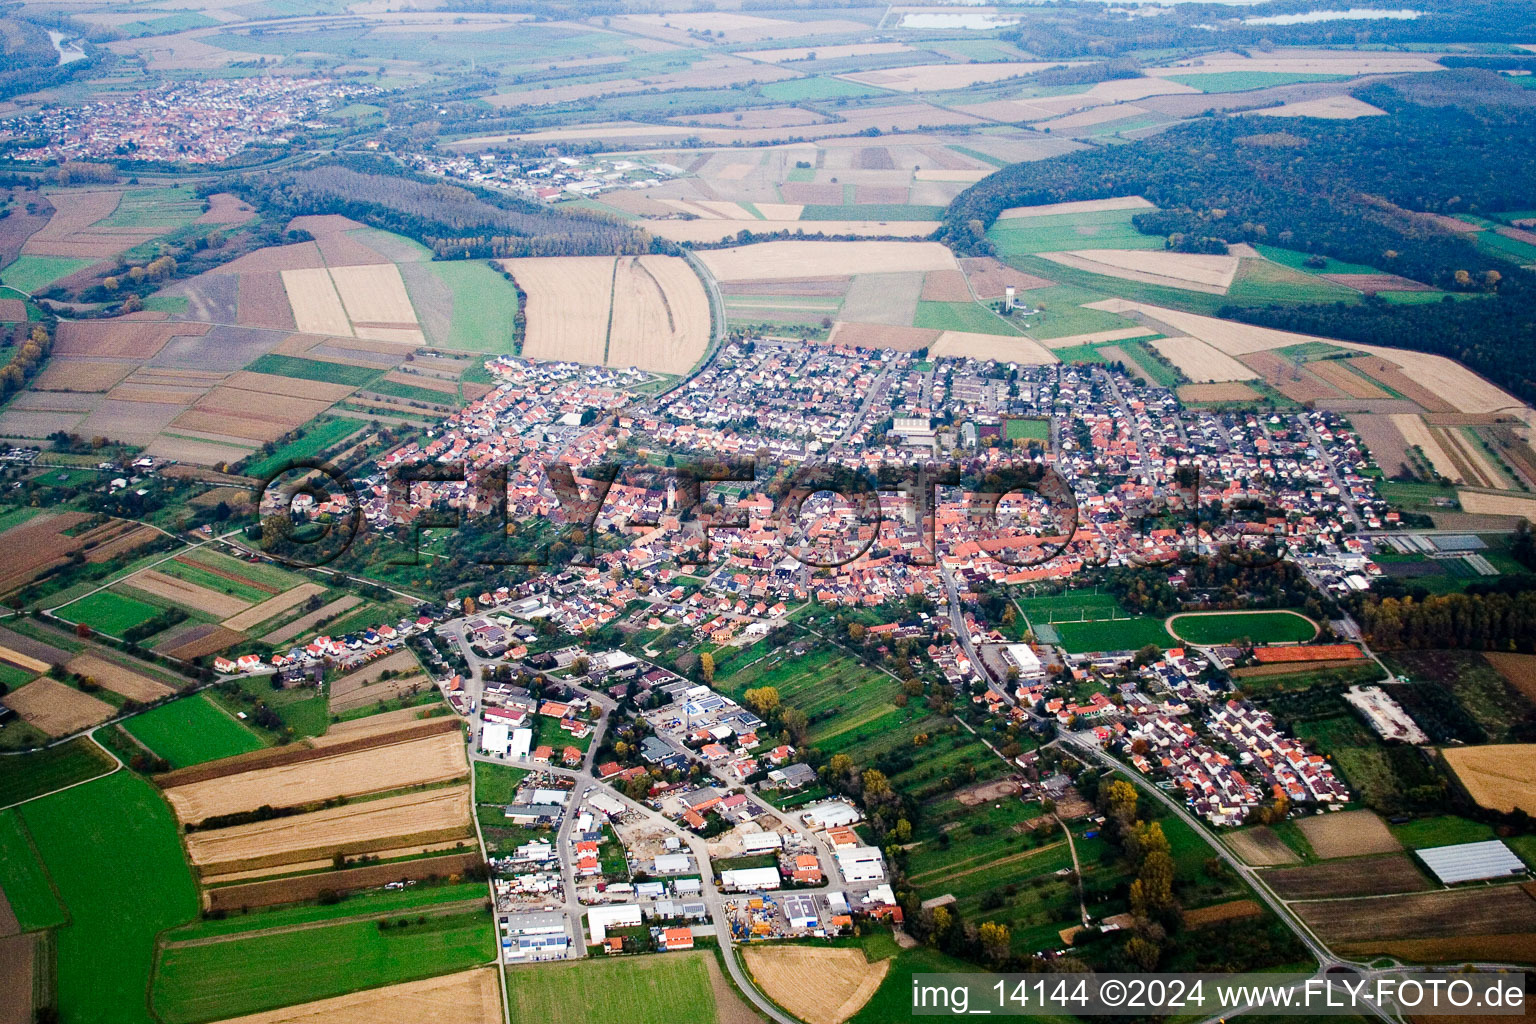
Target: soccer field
(1128, 634)
(1260, 627)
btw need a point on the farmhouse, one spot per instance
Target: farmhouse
(673, 939)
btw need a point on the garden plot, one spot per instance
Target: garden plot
(56, 709)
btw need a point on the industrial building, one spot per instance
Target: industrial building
(748, 879)
(600, 919)
(536, 936)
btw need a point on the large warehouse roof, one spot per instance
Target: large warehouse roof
(1468, 862)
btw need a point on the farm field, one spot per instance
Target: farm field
(319, 435)
(105, 953)
(1500, 777)
(478, 305)
(108, 612)
(569, 306)
(429, 759)
(673, 988)
(55, 708)
(367, 826)
(817, 985)
(1215, 628)
(469, 997)
(1348, 834)
(22, 877)
(249, 974)
(1376, 876)
(190, 731)
(1062, 232)
(1498, 910)
(43, 771)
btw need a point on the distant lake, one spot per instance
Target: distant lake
(67, 54)
(1353, 14)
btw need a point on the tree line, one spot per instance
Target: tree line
(1357, 191)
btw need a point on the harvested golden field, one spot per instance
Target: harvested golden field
(1448, 912)
(934, 77)
(159, 584)
(1024, 351)
(353, 829)
(1325, 62)
(118, 339)
(374, 725)
(1191, 271)
(23, 661)
(56, 709)
(1230, 392)
(471, 997)
(1260, 846)
(1460, 388)
(1333, 108)
(1416, 433)
(1221, 913)
(1471, 459)
(1501, 777)
(660, 315)
(569, 298)
(1200, 362)
(1482, 504)
(770, 261)
(1081, 206)
(816, 984)
(119, 678)
(257, 614)
(287, 387)
(1348, 834)
(1335, 372)
(1227, 336)
(317, 309)
(433, 758)
(298, 627)
(720, 230)
(794, 53)
(92, 375)
(374, 294)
